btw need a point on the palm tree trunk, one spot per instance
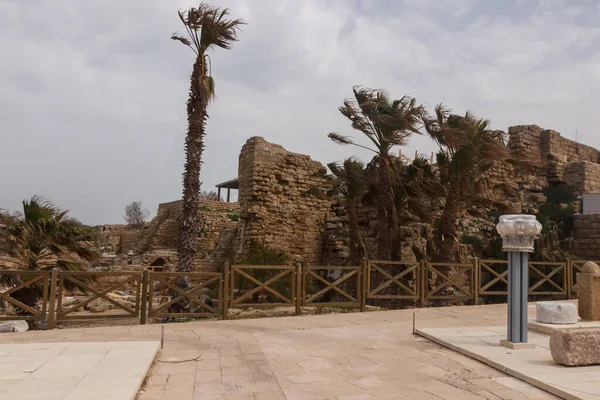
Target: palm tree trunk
(354, 236)
(194, 146)
(385, 208)
(448, 246)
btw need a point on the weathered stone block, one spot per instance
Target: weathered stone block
(576, 347)
(556, 313)
(588, 296)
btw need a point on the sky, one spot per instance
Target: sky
(92, 94)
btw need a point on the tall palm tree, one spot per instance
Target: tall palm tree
(206, 27)
(41, 238)
(350, 181)
(386, 123)
(467, 151)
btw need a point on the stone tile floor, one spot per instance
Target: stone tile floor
(74, 371)
(532, 365)
(351, 356)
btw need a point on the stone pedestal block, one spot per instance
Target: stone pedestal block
(556, 313)
(588, 296)
(575, 348)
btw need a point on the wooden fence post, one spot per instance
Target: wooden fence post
(145, 295)
(423, 278)
(298, 290)
(569, 278)
(363, 288)
(52, 301)
(475, 276)
(226, 268)
(364, 283)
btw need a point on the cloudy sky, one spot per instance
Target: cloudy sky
(92, 93)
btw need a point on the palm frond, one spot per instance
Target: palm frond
(340, 139)
(207, 26)
(386, 123)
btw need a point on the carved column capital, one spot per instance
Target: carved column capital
(518, 232)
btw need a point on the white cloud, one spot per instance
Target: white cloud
(92, 98)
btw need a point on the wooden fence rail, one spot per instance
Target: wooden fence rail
(393, 280)
(84, 282)
(239, 273)
(453, 281)
(12, 282)
(156, 295)
(191, 302)
(330, 281)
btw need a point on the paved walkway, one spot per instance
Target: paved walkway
(535, 366)
(345, 356)
(74, 371)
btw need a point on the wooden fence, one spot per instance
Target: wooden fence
(66, 295)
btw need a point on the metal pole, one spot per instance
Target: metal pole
(518, 234)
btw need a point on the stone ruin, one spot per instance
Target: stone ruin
(579, 347)
(279, 207)
(588, 292)
(154, 245)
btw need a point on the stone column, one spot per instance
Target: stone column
(518, 234)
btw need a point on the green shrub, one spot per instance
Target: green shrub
(234, 217)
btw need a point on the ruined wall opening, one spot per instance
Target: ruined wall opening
(159, 262)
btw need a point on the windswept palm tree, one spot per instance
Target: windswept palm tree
(350, 181)
(467, 151)
(206, 27)
(386, 123)
(416, 189)
(41, 238)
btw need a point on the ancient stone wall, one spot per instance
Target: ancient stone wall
(560, 152)
(283, 207)
(530, 174)
(158, 239)
(215, 216)
(552, 159)
(110, 238)
(587, 236)
(583, 176)
(279, 199)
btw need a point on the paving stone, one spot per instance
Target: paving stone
(320, 353)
